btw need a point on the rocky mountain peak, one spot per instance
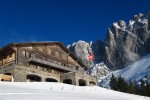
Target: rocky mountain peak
(82, 50)
(123, 44)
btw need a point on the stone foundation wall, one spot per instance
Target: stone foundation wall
(7, 69)
(20, 74)
(75, 77)
(86, 78)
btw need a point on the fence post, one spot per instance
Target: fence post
(51, 88)
(62, 88)
(73, 88)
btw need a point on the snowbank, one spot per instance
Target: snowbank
(59, 91)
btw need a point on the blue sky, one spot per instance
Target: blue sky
(63, 20)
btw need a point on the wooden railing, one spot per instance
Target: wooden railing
(53, 63)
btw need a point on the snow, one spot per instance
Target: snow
(68, 46)
(116, 25)
(131, 22)
(100, 70)
(139, 19)
(74, 44)
(144, 21)
(134, 72)
(59, 91)
(110, 32)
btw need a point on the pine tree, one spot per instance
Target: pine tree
(132, 88)
(148, 89)
(143, 88)
(113, 83)
(122, 85)
(138, 89)
(119, 84)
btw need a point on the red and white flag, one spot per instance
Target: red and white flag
(91, 57)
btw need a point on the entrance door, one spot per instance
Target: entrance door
(33, 78)
(67, 81)
(82, 82)
(51, 80)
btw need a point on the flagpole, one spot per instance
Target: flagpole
(96, 71)
(92, 58)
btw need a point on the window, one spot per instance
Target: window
(24, 53)
(30, 55)
(57, 54)
(5, 57)
(27, 54)
(1, 61)
(53, 53)
(77, 67)
(10, 55)
(63, 57)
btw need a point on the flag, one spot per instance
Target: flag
(91, 57)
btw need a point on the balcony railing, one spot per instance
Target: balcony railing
(53, 63)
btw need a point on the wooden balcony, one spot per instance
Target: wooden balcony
(53, 63)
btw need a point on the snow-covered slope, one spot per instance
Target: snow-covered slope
(59, 91)
(100, 70)
(135, 72)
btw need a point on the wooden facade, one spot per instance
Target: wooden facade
(31, 61)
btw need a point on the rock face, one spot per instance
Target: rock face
(123, 44)
(82, 49)
(126, 44)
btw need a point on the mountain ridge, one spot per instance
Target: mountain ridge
(123, 44)
(139, 70)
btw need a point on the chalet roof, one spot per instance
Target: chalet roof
(44, 43)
